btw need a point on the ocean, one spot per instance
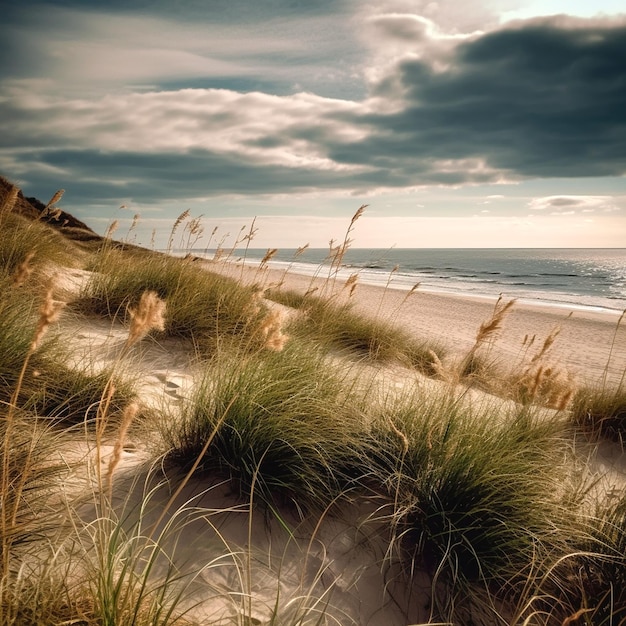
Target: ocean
(587, 278)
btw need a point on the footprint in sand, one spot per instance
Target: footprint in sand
(171, 388)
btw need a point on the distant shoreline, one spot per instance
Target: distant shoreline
(591, 280)
(586, 338)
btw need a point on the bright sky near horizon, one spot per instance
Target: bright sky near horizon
(487, 123)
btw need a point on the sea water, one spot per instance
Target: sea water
(594, 278)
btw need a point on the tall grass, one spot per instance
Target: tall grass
(201, 306)
(46, 248)
(600, 412)
(284, 423)
(602, 568)
(477, 496)
(47, 387)
(337, 326)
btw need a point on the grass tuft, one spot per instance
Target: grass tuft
(284, 425)
(600, 412)
(337, 326)
(476, 494)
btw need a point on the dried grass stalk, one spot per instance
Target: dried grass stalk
(269, 255)
(9, 200)
(23, 271)
(130, 412)
(492, 326)
(55, 198)
(149, 315)
(111, 229)
(49, 312)
(271, 331)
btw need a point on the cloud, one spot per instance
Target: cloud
(568, 205)
(88, 49)
(542, 98)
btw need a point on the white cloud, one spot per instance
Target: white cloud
(253, 125)
(567, 205)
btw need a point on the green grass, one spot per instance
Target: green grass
(282, 425)
(49, 388)
(588, 585)
(201, 306)
(477, 493)
(336, 325)
(482, 498)
(21, 237)
(600, 412)
(602, 570)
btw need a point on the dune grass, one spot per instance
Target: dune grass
(338, 326)
(201, 306)
(475, 492)
(44, 247)
(600, 412)
(482, 498)
(30, 517)
(602, 569)
(48, 388)
(281, 424)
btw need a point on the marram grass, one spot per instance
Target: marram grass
(339, 327)
(47, 387)
(282, 425)
(476, 497)
(46, 248)
(601, 412)
(201, 306)
(477, 493)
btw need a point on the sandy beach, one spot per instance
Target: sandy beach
(586, 339)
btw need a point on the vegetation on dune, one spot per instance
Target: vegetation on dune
(336, 325)
(201, 306)
(280, 425)
(473, 490)
(601, 569)
(601, 413)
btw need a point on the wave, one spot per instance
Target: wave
(575, 276)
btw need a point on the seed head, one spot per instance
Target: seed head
(49, 312)
(112, 228)
(9, 200)
(268, 256)
(24, 270)
(149, 315)
(55, 198)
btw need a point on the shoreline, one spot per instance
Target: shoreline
(587, 337)
(400, 282)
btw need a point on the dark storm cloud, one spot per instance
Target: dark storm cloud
(153, 178)
(95, 177)
(539, 99)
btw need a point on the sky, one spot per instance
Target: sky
(483, 123)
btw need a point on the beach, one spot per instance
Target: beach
(590, 345)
